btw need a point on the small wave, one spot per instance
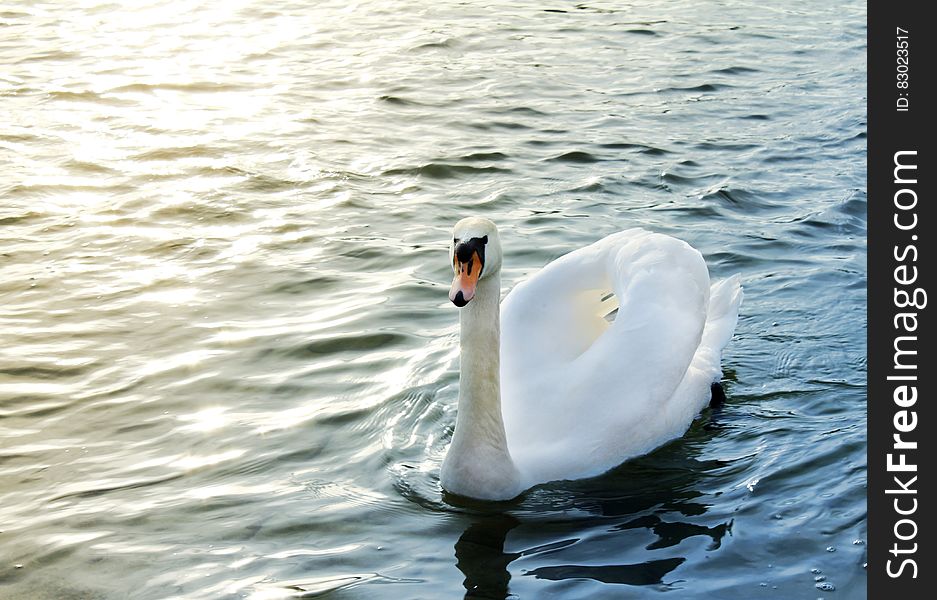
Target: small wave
(176, 152)
(484, 156)
(194, 86)
(735, 70)
(82, 184)
(32, 406)
(550, 547)
(43, 372)
(646, 32)
(267, 183)
(590, 186)
(319, 283)
(21, 219)
(350, 343)
(445, 171)
(19, 136)
(828, 220)
(705, 87)
(678, 179)
(729, 261)
(731, 147)
(736, 198)
(525, 110)
(196, 211)
(88, 96)
(108, 486)
(642, 148)
(446, 44)
(499, 125)
(398, 101)
(575, 156)
(536, 142)
(53, 55)
(846, 216)
(854, 204)
(707, 212)
(787, 158)
(89, 167)
(322, 586)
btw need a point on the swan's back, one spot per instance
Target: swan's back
(581, 395)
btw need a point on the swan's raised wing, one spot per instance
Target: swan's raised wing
(579, 393)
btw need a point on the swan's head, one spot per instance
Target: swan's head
(475, 253)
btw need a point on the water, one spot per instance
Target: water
(229, 365)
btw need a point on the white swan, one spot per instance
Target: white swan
(580, 395)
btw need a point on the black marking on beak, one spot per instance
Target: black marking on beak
(459, 300)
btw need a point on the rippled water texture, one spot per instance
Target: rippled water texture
(229, 365)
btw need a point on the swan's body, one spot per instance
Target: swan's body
(563, 393)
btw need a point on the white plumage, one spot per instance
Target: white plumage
(580, 395)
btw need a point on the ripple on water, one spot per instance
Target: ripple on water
(642, 148)
(445, 171)
(575, 157)
(484, 157)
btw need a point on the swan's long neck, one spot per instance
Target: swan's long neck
(479, 369)
(478, 463)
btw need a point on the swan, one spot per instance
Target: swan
(549, 389)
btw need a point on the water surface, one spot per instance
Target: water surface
(229, 364)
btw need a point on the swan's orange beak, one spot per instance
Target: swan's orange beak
(465, 280)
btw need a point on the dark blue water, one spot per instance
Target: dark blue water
(229, 364)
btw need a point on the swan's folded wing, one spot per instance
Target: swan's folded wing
(662, 286)
(581, 391)
(556, 314)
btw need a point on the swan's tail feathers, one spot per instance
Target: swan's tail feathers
(724, 299)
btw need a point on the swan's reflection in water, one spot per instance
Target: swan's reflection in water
(646, 573)
(481, 557)
(649, 494)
